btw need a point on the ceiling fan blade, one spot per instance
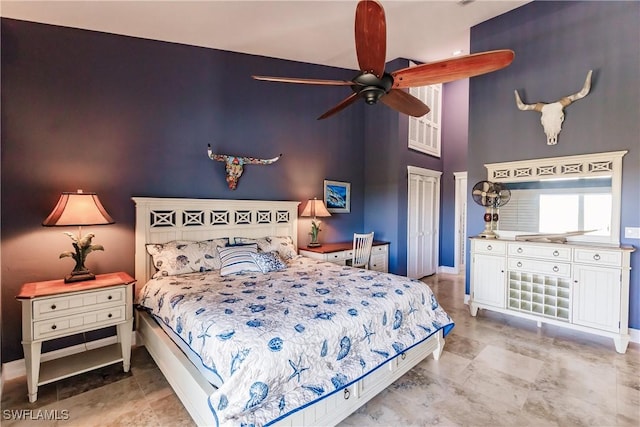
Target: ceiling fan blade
(452, 69)
(405, 103)
(305, 81)
(371, 37)
(341, 106)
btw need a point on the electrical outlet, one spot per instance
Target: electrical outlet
(632, 232)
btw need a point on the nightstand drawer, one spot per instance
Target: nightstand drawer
(47, 329)
(48, 308)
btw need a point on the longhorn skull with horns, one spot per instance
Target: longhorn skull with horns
(234, 165)
(553, 113)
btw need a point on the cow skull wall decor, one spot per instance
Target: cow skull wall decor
(553, 113)
(234, 165)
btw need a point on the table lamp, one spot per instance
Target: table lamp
(79, 209)
(315, 208)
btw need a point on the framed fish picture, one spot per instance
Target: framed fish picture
(337, 196)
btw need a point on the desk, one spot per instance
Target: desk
(341, 252)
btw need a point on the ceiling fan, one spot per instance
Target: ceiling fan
(374, 84)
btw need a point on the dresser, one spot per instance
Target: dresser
(342, 253)
(54, 309)
(581, 287)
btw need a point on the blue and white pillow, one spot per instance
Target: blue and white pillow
(184, 256)
(268, 261)
(238, 259)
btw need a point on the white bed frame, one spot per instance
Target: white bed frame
(159, 220)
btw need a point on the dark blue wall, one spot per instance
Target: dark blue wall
(556, 43)
(130, 117)
(455, 135)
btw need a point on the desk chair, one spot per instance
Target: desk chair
(362, 250)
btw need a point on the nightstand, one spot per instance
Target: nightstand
(55, 309)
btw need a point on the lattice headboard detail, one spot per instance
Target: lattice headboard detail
(160, 220)
(592, 165)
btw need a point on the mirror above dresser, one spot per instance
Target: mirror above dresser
(562, 194)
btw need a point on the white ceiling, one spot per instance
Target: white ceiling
(318, 32)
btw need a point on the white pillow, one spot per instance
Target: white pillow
(237, 259)
(281, 244)
(183, 256)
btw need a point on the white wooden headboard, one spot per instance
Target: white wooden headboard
(161, 220)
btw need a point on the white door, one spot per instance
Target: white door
(423, 219)
(460, 221)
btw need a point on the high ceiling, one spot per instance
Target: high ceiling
(317, 32)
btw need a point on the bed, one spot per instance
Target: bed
(304, 343)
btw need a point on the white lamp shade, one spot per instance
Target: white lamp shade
(315, 208)
(78, 209)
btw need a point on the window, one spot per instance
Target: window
(581, 212)
(424, 132)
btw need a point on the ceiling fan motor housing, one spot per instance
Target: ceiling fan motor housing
(372, 88)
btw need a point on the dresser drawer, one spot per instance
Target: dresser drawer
(598, 257)
(67, 325)
(543, 252)
(489, 247)
(47, 308)
(559, 269)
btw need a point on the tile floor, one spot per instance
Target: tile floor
(496, 370)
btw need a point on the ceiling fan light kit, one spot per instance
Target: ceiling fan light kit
(373, 84)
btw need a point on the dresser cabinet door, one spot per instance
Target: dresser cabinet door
(488, 280)
(596, 297)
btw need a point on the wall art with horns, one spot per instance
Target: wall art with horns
(553, 113)
(234, 165)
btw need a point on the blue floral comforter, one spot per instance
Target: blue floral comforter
(283, 340)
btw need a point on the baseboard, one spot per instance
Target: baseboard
(447, 270)
(16, 368)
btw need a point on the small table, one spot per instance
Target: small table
(341, 252)
(54, 309)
